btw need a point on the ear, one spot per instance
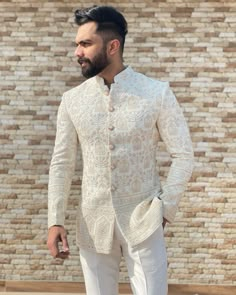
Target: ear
(113, 46)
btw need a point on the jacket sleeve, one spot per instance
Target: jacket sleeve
(62, 166)
(175, 134)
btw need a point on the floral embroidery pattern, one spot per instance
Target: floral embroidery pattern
(118, 131)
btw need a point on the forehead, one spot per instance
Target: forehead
(87, 31)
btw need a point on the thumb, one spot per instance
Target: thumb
(64, 241)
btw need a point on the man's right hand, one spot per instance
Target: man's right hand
(57, 234)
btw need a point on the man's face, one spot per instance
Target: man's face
(91, 50)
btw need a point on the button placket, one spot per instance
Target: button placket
(111, 127)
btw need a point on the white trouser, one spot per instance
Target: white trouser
(146, 264)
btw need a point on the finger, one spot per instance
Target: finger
(63, 255)
(53, 246)
(54, 250)
(65, 245)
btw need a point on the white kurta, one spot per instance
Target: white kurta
(118, 130)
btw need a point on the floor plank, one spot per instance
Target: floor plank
(201, 290)
(68, 288)
(37, 293)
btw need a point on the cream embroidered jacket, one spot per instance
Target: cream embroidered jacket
(118, 130)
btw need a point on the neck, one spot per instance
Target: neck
(110, 72)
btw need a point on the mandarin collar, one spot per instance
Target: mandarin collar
(123, 74)
(119, 78)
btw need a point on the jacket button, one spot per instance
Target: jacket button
(113, 166)
(111, 127)
(111, 109)
(111, 147)
(113, 188)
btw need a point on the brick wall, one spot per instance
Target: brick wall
(192, 44)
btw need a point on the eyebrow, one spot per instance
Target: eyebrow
(83, 41)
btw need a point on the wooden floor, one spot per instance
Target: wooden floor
(63, 288)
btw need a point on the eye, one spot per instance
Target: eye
(85, 44)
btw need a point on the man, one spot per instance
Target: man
(117, 116)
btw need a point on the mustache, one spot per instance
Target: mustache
(82, 60)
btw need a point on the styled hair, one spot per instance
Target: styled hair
(111, 24)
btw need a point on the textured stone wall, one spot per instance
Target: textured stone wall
(190, 43)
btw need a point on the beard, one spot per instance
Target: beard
(95, 66)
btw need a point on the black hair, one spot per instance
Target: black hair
(111, 24)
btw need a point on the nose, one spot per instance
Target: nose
(79, 51)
